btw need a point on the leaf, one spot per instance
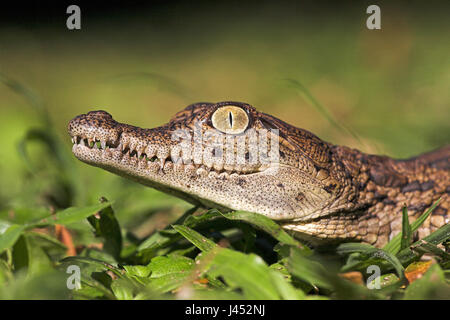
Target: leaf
(246, 272)
(169, 272)
(394, 246)
(195, 238)
(316, 274)
(423, 247)
(379, 253)
(164, 265)
(107, 227)
(52, 247)
(122, 289)
(95, 263)
(43, 286)
(353, 276)
(20, 254)
(308, 270)
(441, 235)
(166, 237)
(6, 274)
(387, 280)
(351, 247)
(29, 258)
(71, 215)
(416, 270)
(369, 251)
(406, 230)
(431, 285)
(140, 271)
(285, 289)
(9, 237)
(158, 240)
(267, 225)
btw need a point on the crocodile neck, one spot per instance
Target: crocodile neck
(376, 188)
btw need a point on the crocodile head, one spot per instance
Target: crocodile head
(225, 155)
(229, 156)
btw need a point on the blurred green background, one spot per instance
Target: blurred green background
(144, 63)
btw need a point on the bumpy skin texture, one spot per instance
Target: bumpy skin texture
(324, 192)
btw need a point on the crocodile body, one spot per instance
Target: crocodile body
(323, 192)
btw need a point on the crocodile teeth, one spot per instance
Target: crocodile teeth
(132, 146)
(189, 169)
(223, 175)
(134, 161)
(168, 166)
(163, 153)
(150, 151)
(213, 175)
(103, 143)
(108, 153)
(82, 142)
(201, 172)
(162, 161)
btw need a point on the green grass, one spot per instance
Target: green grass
(210, 256)
(197, 255)
(381, 92)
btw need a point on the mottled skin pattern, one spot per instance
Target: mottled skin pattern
(324, 192)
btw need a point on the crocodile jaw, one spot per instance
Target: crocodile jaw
(278, 191)
(267, 192)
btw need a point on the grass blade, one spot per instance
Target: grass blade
(204, 244)
(304, 92)
(394, 245)
(10, 236)
(267, 225)
(406, 230)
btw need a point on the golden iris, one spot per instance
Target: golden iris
(230, 119)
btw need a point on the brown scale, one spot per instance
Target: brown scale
(385, 185)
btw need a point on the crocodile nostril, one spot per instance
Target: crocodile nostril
(99, 113)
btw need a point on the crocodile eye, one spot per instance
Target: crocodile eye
(230, 119)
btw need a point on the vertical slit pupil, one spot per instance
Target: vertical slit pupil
(230, 117)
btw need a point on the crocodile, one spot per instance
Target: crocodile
(324, 193)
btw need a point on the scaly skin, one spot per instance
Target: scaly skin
(324, 192)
